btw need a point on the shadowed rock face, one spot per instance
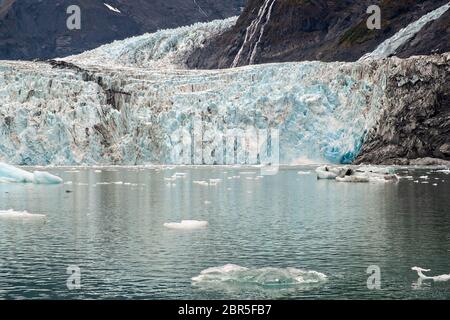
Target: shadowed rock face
(416, 122)
(325, 30)
(32, 29)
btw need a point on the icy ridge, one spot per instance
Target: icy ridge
(167, 49)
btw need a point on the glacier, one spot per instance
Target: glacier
(133, 102)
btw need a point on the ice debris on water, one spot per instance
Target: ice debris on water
(444, 277)
(359, 174)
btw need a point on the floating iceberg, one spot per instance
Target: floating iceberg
(235, 275)
(11, 174)
(327, 172)
(11, 214)
(444, 277)
(186, 225)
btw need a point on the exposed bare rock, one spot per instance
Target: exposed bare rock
(416, 120)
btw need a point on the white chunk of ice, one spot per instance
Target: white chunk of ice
(11, 174)
(265, 277)
(186, 225)
(11, 214)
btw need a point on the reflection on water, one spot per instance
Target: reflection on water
(109, 222)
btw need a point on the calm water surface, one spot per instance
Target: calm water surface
(109, 222)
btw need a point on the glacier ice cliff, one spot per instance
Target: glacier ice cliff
(126, 103)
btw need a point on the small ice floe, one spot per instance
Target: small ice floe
(186, 225)
(444, 277)
(207, 202)
(98, 171)
(180, 174)
(446, 171)
(248, 173)
(304, 173)
(11, 174)
(435, 184)
(11, 214)
(231, 275)
(201, 183)
(424, 177)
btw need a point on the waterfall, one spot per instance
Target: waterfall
(252, 57)
(200, 9)
(390, 46)
(264, 11)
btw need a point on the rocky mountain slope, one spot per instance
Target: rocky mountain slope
(416, 120)
(325, 30)
(32, 29)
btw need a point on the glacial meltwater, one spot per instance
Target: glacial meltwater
(102, 235)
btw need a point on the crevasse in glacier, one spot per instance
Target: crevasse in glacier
(131, 107)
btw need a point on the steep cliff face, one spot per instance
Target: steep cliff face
(32, 29)
(325, 30)
(416, 119)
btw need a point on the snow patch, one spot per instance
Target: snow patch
(112, 8)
